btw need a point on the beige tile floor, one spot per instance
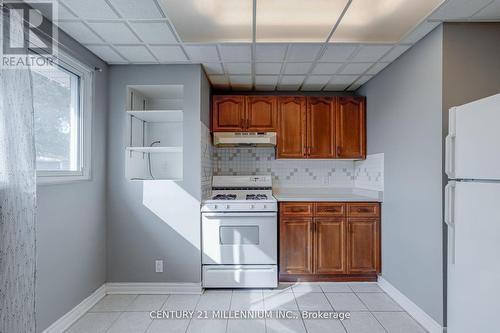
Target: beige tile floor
(371, 310)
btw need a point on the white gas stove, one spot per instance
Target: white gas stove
(240, 233)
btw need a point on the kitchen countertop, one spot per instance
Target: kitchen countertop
(327, 194)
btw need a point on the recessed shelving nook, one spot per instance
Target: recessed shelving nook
(154, 147)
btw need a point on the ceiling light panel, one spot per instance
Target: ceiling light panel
(133, 9)
(296, 20)
(154, 32)
(382, 21)
(207, 21)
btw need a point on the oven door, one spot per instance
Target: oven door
(239, 238)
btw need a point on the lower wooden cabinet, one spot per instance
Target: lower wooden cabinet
(330, 244)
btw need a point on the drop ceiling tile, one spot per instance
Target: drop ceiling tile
(354, 87)
(458, 9)
(326, 68)
(303, 52)
(395, 53)
(95, 9)
(338, 52)
(106, 53)
(492, 11)
(288, 87)
(240, 79)
(218, 79)
(238, 67)
(340, 82)
(419, 32)
(292, 79)
(235, 52)
(240, 87)
(297, 68)
(63, 13)
(270, 52)
(377, 68)
(267, 68)
(265, 87)
(136, 53)
(133, 9)
(362, 80)
(114, 32)
(202, 53)
(79, 31)
(213, 68)
(266, 80)
(154, 32)
(168, 53)
(315, 82)
(370, 53)
(355, 68)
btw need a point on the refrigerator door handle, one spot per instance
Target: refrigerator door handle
(449, 199)
(450, 156)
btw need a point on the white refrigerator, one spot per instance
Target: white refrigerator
(472, 213)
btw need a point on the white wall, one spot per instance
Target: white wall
(71, 219)
(404, 116)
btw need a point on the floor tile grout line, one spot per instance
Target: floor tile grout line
(230, 303)
(335, 310)
(114, 321)
(300, 315)
(383, 327)
(195, 306)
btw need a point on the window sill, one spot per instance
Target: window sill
(59, 180)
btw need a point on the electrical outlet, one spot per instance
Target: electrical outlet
(159, 266)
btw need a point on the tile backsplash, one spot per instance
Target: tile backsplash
(369, 173)
(286, 173)
(207, 165)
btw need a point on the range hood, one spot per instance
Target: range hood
(244, 139)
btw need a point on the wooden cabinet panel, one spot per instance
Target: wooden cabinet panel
(363, 209)
(330, 209)
(351, 128)
(296, 245)
(296, 208)
(330, 249)
(320, 127)
(363, 246)
(228, 113)
(291, 127)
(261, 114)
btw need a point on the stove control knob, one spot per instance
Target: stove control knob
(215, 206)
(265, 206)
(227, 206)
(252, 206)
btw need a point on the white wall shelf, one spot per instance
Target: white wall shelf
(155, 149)
(157, 116)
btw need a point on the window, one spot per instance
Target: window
(62, 103)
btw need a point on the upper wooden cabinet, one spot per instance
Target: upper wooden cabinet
(351, 128)
(320, 127)
(261, 115)
(231, 113)
(292, 139)
(307, 127)
(228, 113)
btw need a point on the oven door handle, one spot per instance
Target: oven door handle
(242, 214)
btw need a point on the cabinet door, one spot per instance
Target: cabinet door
(228, 113)
(291, 127)
(320, 127)
(363, 246)
(296, 245)
(351, 128)
(261, 114)
(330, 246)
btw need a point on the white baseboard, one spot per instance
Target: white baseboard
(153, 288)
(74, 314)
(413, 309)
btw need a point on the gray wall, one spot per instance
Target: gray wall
(71, 219)
(154, 219)
(405, 122)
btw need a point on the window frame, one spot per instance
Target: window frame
(85, 89)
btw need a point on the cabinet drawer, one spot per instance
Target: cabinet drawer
(364, 209)
(296, 209)
(330, 209)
